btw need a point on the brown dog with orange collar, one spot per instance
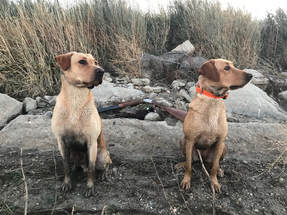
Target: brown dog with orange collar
(205, 125)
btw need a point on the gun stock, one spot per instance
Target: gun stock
(177, 113)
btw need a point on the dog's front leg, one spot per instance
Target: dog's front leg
(215, 164)
(92, 153)
(185, 183)
(65, 153)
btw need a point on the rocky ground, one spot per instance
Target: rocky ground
(143, 141)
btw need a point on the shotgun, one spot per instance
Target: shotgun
(177, 113)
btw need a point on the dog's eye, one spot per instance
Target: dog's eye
(227, 68)
(83, 62)
(96, 62)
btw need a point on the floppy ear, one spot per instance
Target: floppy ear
(64, 60)
(209, 71)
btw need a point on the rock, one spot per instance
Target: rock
(51, 100)
(107, 77)
(178, 84)
(189, 85)
(283, 99)
(152, 116)
(182, 93)
(29, 104)
(159, 89)
(196, 62)
(252, 102)
(140, 81)
(140, 139)
(186, 48)
(42, 102)
(122, 80)
(147, 89)
(9, 109)
(284, 74)
(244, 140)
(28, 131)
(157, 67)
(107, 94)
(258, 79)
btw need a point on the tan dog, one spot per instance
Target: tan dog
(205, 125)
(76, 122)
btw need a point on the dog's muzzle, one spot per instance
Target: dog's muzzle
(99, 75)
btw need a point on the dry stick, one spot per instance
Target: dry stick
(212, 188)
(25, 183)
(56, 195)
(164, 193)
(182, 196)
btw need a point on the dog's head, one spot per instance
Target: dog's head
(81, 70)
(221, 75)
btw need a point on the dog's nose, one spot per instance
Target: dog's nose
(100, 71)
(248, 76)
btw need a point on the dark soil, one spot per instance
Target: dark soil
(146, 187)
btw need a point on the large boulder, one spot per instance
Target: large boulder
(258, 78)
(251, 101)
(9, 109)
(140, 139)
(28, 131)
(107, 94)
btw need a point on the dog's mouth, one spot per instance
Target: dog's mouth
(234, 87)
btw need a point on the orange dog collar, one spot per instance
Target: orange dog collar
(209, 94)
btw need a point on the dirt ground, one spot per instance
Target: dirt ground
(145, 187)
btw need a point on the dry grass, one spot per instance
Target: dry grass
(32, 33)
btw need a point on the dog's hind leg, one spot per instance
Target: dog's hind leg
(103, 158)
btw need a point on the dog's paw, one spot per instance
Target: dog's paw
(216, 186)
(66, 187)
(185, 183)
(180, 165)
(90, 191)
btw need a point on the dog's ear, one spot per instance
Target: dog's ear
(209, 71)
(64, 60)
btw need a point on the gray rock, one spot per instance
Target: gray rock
(28, 131)
(122, 80)
(107, 94)
(140, 81)
(147, 89)
(152, 116)
(183, 94)
(283, 99)
(141, 139)
(284, 74)
(189, 85)
(196, 62)
(107, 77)
(42, 102)
(51, 100)
(159, 89)
(29, 104)
(159, 67)
(178, 84)
(251, 101)
(258, 79)
(9, 109)
(186, 47)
